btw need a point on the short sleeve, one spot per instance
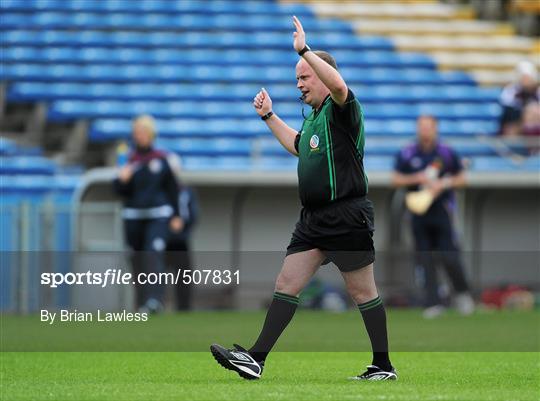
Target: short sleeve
(350, 113)
(297, 142)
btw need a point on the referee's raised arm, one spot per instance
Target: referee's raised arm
(329, 76)
(284, 134)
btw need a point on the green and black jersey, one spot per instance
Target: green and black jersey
(330, 148)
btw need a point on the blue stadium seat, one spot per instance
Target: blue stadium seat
(160, 21)
(262, 57)
(453, 111)
(493, 164)
(7, 147)
(62, 110)
(375, 147)
(207, 109)
(206, 147)
(160, 6)
(202, 73)
(10, 148)
(287, 163)
(407, 128)
(113, 129)
(30, 187)
(216, 163)
(35, 185)
(33, 91)
(473, 149)
(10, 165)
(239, 163)
(378, 163)
(199, 40)
(21, 54)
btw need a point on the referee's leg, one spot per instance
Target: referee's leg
(360, 284)
(297, 270)
(361, 287)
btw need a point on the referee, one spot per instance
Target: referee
(336, 221)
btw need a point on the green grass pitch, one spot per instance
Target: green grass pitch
(306, 375)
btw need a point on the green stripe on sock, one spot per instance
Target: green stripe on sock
(368, 303)
(292, 301)
(281, 294)
(285, 297)
(371, 304)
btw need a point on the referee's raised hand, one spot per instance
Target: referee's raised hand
(262, 102)
(299, 36)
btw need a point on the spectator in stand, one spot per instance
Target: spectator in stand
(516, 96)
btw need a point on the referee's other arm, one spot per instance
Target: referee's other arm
(284, 134)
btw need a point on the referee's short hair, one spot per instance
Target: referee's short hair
(326, 57)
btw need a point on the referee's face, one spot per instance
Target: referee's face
(308, 83)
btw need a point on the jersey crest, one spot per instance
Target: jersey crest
(314, 142)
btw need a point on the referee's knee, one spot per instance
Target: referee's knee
(286, 286)
(362, 294)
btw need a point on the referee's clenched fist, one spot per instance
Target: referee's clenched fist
(262, 102)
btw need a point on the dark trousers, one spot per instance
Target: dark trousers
(436, 242)
(148, 240)
(178, 257)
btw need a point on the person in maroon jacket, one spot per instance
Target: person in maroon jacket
(149, 189)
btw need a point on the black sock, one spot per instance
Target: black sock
(375, 321)
(278, 317)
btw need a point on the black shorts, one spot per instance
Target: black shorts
(343, 231)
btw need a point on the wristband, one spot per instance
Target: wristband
(267, 115)
(304, 50)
